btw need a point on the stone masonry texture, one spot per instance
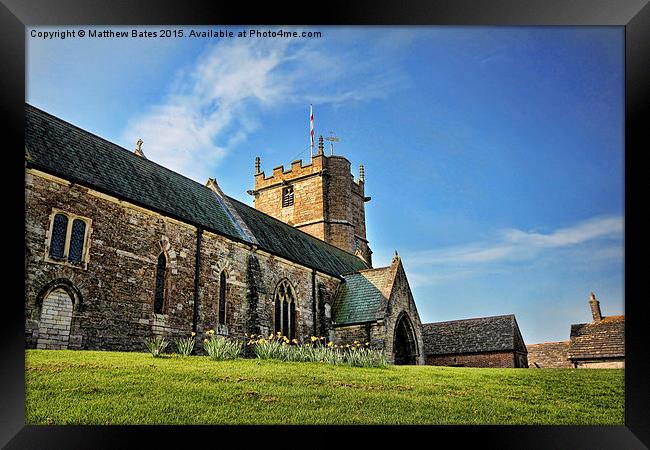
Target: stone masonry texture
(113, 309)
(328, 203)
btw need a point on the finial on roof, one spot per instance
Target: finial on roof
(592, 297)
(257, 165)
(138, 148)
(212, 184)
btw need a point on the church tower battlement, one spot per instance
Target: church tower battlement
(321, 198)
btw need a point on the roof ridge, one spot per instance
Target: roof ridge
(113, 144)
(320, 255)
(368, 270)
(296, 229)
(471, 318)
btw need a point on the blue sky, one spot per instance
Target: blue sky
(493, 156)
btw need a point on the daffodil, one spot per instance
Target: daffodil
(329, 344)
(193, 334)
(314, 338)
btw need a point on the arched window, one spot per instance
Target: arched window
(285, 309)
(59, 231)
(69, 239)
(161, 271)
(77, 240)
(222, 298)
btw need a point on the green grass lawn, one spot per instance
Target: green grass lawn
(92, 387)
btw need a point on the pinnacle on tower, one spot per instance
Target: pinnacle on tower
(257, 165)
(362, 173)
(321, 146)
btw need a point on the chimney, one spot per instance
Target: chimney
(595, 308)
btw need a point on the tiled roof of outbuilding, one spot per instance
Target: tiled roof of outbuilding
(62, 149)
(483, 334)
(359, 299)
(604, 339)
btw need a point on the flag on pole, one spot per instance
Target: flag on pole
(311, 130)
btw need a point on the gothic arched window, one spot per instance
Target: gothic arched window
(77, 240)
(222, 298)
(59, 232)
(285, 309)
(161, 272)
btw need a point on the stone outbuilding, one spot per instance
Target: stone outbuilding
(480, 342)
(599, 344)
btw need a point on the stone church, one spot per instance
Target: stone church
(119, 248)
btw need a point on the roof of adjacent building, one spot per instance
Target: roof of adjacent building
(603, 339)
(62, 149)
(360, 298)
(483, 334)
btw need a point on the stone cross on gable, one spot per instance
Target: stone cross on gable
(138, 148)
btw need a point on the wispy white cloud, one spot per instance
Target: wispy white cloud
(214, 105)
(597, 240)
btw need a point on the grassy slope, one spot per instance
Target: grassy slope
(85, 387)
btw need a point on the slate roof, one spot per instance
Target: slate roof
(483, 334)
(604, 339)
(62, 149)
(359, 299)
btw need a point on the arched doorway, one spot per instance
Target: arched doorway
(55, 320)
(405, 346)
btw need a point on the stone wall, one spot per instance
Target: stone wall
(549, 355)
(308, 197)
(117, 287)
(601, 364)
(487, 359)
(328, 203)
(401, 302)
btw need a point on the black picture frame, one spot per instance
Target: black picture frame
(634, 15)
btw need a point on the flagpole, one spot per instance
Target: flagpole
(311, 132)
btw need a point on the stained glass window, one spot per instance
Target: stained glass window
(160, 284)
(285, 309)
(77, 240)
(59, 230)
(222, 298)
(278, 314)
(292, 320)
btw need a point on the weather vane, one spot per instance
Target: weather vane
(332, 139)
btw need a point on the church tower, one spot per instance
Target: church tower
(321, 198)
